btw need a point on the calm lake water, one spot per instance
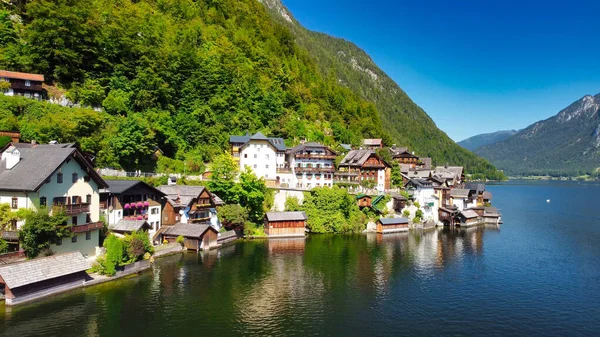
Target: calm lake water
(537, 274)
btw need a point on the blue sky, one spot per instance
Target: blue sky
(473, 66)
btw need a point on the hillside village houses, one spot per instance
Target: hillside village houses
(54, 176)
(23, 84)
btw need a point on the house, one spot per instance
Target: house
(190, 204)
(424, 193)
(403, 156)
(459, 197)
(492, 216)
(23, 84)
(285, 224)
(468, 218)
(44, 276)
(424, 164)
(363, 200)
(345, 147)
(57, 177)
(392, 225)
(129, 226)
(448, 215)
(476, 191)
(361, 166)
(487, 197)
(454, 175)
(262, 154)
(312, 165)
(196, 237)
(399, 202)
(372, 144)
(132, 200)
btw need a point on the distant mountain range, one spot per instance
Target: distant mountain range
(566, 144)
(483, 139)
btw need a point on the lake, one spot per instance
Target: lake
(537, 274)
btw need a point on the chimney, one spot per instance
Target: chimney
(13, 159)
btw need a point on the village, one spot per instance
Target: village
(404, 191)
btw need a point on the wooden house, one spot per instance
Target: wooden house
(374, 144)
(468, 218)
(404, 157)
(44, 276)
(190, 204)
(359, 166)
(23, 84)
(196, 237)
(392, 225)
(363, 200)
(399, 202)
(285, 224)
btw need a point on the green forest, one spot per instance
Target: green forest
(181, 76)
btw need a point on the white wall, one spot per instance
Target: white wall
(86, 247)
(261, 157)
(316, 180)
(381, 180)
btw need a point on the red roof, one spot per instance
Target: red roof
(21, 76)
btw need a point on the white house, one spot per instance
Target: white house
(459, 197)
(55, 176)
(263, 155)
(424, 193)
(312, 165)
(132, 200)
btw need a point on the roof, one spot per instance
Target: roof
(487, 195)
(493, 211)
(359, 157)
(476, 187)
(420, 183)
(419, 174)
(21, 76)
(372, 141)
(38, 162)
(218, 201)
(393, 221)
(346, 147)
(309, 146)
(278, 143)
(456, 171)
(121, 186)
(129, 225)
(426, 163)
(286, 216)
(44, 268)
(459, 192)
(469, 213)
(362, 195)
(398, 150)
(188, 230)
(185, 193)
(398, 196)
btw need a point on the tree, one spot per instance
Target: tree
(134, 142)
(41, 230)
(3, 246)
(292, 204)
(368, 184)
(232, 215)
(224, 171)
(396, 175)
(7, 216)
(252, 195)
(406, 213)
(332, 210)
(115, 251)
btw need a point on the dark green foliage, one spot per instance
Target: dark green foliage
(131, 248)
(292, 204)
(232, 215)
(332, 210)
(3, 246)
(115, 251)
(41, 230)
(4, 140)
(136, 245)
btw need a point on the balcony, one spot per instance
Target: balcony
(314, 169)
(87, 227)
(314, 156)
(284, 170)
(73, 209)
(346, 174)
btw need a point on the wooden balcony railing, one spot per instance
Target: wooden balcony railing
(315, 156)
(87, 227)
(315, 169)
(73, 209)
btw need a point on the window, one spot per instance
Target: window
(119, 214)
(27, 83)
(59, 178)
(88, 199)
(154, 210)
(254, 165)
(88, 235)
(266, 166)
(59, 242)
(88, 218)
(74, 200)
(43, 201)
(14, 204)
(74, 238)
(267, 156)
(255, 156)
(245, 155)
(75, 177)
(74, 221)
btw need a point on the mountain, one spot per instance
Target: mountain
(565, 144)
(406, 123)
(483, 139)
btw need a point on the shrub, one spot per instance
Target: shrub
(417, 205)
(406, 213)
(3, 246)
(416, 219)
(419, 213)
(136, 245)
(180, 240)
(114, 255)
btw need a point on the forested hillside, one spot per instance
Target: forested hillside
(406, 122)
(182, 75)
(567, 144)
(477, 141)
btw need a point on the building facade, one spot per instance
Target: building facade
(312, 165)
(364, 167)
(23, 84)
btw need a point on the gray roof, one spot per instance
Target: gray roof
(185, 193)
(286, 216)
(459, 192)
(426, 163)
(309, 146)
(476, 187)
(188, 230)
(372, 141)
(218, 201)
(44, 268)
(398, 150)
(487, 195)
(419, 173)
(37, 163)
(117, 186)
(393, 221)
(469, 214)
(420, 183)
(346, 147)
(278, 143)
(128, 226)
(456, 171)
(357, 157)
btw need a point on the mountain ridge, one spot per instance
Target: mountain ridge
(477, 141)
(567, 143)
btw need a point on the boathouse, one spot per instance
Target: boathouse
(392, 225)
(29, 280)
(285, 224)
(363, 200)
(130, 226)
(195, 237)
(468, 218)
